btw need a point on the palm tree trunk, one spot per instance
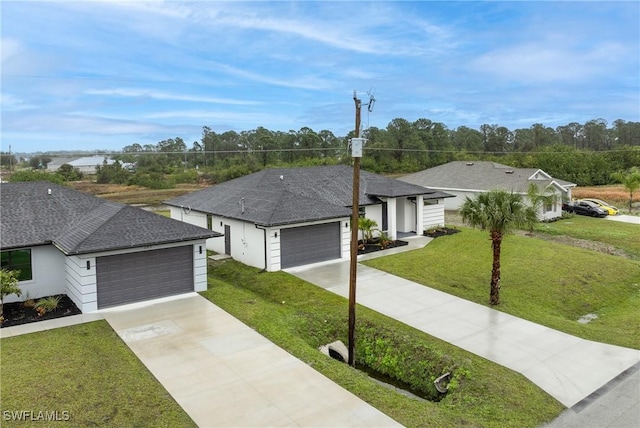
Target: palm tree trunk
(496, 242)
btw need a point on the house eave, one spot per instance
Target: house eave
(142, 245)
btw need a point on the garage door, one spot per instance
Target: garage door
(309, 244)
(133, 277)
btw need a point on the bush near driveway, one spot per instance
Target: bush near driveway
(545, 282)
(87, 371)
(300, 317)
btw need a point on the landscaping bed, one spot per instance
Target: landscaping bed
(374, 245)
(440, 231)
(18, 313)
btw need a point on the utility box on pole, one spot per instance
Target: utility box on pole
(356, 147)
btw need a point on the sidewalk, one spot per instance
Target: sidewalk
(566, 367)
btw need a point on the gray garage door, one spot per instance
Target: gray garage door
(133, 277)
(309, 244)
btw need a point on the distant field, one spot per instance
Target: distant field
(614, 194)
(134, 195)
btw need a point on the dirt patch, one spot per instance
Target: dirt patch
(453, 218)
(600, 247)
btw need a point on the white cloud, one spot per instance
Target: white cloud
(10, 48)
(160, 95)
(547, 62)
(12, 103)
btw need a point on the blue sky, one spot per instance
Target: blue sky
(102, 75)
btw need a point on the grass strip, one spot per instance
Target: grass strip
(86, 371)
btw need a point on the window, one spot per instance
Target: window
(548, 207)
(361, 212)
(18, 260)
(209, 222)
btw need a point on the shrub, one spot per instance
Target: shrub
(188, 176)
(152, 180)
(33, 175)
(415, 364)
(9, 284)
(47, 304)
(69, 173)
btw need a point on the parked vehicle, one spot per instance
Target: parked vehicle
(610, 209)
(583, 207)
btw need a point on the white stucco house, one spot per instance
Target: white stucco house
(467, 179)
(99, 253)
(284, 217)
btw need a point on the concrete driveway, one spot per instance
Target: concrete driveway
(223, 373)
(566, 367)
(625, 218)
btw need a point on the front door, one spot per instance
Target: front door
(385, 217)
(227, 239)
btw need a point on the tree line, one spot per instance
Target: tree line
(586, 154)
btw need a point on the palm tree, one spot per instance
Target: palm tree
(630, 181)
(499, 212)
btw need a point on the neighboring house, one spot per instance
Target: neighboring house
(56, 163)
(99, 253)
(280, 218)
(468, 179)
(86, 165)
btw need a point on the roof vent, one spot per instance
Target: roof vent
(509, 171)
(469, 163)
(242, 205)
(282, 177)
(48, 191)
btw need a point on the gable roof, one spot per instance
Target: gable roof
(483, 176)
(78, 223)
(294, 195)
(89, 161)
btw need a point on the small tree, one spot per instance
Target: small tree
(69, 173)
(630, 180)
(367, 227)
(8, 285)
(499, 212)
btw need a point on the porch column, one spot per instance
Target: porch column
(419, 215)
(392, 218)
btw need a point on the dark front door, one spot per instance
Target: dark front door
(385, 217)
(227, 239)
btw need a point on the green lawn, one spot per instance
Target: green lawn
(87, 371)
(300, 317)
(624, 236)
(544, 282)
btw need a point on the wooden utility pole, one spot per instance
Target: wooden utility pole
(355, 214)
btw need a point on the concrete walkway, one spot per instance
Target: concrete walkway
(566, 367)
(223, 373)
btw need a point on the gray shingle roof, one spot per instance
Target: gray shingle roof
(79, 223)
(293, 195)
(480, 176)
